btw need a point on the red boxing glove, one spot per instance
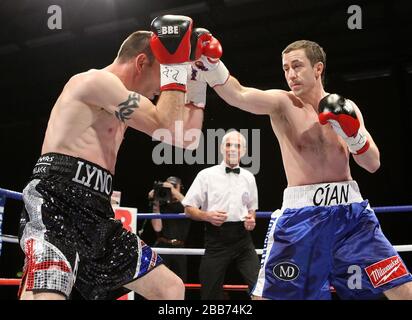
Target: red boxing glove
(203, 43)
(206, 53)
(337, 111)
(170, 44)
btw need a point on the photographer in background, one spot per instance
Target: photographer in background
(171, 233)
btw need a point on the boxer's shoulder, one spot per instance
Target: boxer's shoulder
(92, 85)
(93, 76)
(282, 101)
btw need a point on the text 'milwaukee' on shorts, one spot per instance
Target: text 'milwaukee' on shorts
(327, 235)
(69, 234)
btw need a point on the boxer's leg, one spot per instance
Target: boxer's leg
(159, 284)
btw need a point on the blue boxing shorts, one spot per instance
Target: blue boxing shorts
(327, 235)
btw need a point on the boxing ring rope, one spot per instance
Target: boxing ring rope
(11, 194)
(190, 251)
(233, 287)
(261, 214)
(196, 251)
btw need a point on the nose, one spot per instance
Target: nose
(292, 74)
(233, 149)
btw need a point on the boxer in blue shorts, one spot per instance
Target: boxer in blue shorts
(321, 237)
(325, 234)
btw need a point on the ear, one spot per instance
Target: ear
(139, 61)
(319, 69)
(242, 152)
(222, 149)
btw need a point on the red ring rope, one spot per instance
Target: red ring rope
(228, 287)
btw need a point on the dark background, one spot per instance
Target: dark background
(372, 66)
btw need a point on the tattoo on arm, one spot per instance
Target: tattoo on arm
(127, 107)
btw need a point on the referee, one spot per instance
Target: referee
(227, 196)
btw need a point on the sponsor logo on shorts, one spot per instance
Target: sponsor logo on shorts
(93, 177)
(385, 271)
(286, 271)
(43, 164)
(331, 195)
(40, 169)
(45, 159)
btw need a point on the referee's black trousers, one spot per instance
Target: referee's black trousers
(226, 244)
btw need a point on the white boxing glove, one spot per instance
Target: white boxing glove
(213, 70)
(196, 88)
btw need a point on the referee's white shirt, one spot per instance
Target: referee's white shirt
(215, 190)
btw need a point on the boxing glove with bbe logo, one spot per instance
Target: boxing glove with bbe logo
(340, 113)
(170, 44)
(206, 53)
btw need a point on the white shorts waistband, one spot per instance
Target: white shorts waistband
(323, 194)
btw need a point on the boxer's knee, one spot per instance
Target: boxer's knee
(159, 284)
(175, 290)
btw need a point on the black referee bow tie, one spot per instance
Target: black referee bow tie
(235, 170)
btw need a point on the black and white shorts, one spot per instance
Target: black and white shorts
(70, 236)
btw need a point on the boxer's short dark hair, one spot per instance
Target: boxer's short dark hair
(136, 43)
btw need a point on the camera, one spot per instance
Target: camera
(161, 194)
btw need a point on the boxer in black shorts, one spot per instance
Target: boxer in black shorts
(70, 237)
